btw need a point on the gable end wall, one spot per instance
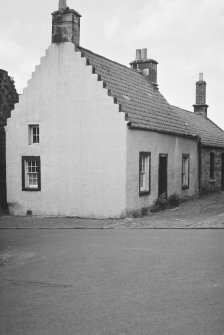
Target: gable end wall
(83, 141)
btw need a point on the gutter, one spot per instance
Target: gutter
(172, 133)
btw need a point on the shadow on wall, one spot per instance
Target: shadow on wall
(3, 200)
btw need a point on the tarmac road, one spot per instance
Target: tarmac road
(111, 282)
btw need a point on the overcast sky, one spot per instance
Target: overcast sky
(185, 36)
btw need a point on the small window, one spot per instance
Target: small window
(144, 173)
(185, 171)
(31, 173)
(212, 165)
(34, 134)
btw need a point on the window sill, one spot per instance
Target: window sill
(185, 187)
(212, 181)
(143, 193)
(31, 189)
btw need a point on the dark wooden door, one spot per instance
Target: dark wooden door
(222, 186)
(163, 174)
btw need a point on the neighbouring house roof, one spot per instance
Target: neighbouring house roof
(145, 107)
(209, 133)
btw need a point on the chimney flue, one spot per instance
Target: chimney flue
(201, 76)
(200, 106)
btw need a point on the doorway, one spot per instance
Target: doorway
(163, 174)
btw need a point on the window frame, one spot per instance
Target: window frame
(31, 134)
(212, 166)
(185, 186)
(148, 155)
(26, 187)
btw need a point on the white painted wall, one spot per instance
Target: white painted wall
(82, 146)
(156, 143)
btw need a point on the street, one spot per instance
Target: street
(111, 282)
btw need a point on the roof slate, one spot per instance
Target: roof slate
(145, 107)
(210, 134)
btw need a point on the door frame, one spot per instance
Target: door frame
(163, 155)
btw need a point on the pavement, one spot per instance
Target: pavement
(206, 212)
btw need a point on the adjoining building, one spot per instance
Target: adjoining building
(93, 138)
(211, 141)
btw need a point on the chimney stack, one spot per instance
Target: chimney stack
(147, 67)
(65, 24)
(200, 106)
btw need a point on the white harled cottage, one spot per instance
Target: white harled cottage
(93, 138)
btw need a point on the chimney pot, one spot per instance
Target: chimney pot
(62, 4)
(146, 67)
(200, 76)
(138, 54)
(144, 54)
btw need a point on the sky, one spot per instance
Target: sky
(184, 36)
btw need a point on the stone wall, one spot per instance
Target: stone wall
(8, 97)
(208, 184)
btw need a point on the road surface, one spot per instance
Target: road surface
(111, 282)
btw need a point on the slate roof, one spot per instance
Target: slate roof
(145, 107)
(210, 134)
